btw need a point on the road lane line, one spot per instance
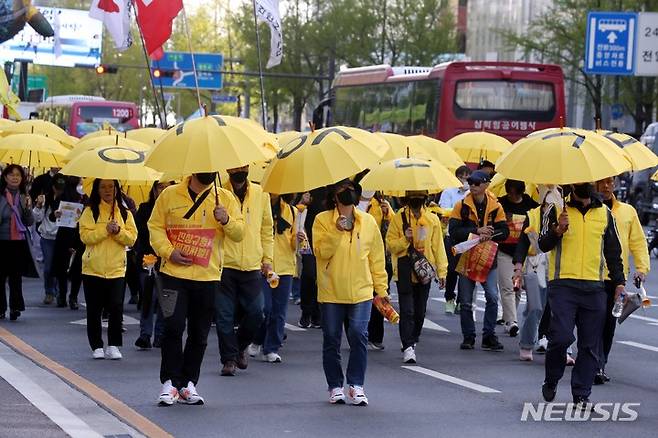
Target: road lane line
(431, 325)
(113, 405)
(294, 328)
(638, 345)
(643, 318)
(51, 408)
(451, 379)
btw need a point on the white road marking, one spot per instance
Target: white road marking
(638, 345)
(442, 300)
(643, 318)
(431, 325)
(127, 320)
(294, 328)
(451, 379)
(65, 419)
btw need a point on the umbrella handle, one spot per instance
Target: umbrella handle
(216, 194)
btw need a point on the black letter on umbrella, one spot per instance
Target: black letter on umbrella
(103, 154)
(326, 132)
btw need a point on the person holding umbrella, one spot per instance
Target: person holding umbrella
(348, 246)
(106, 228)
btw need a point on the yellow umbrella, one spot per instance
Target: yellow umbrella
(286, 136)
(563, 156)
(106, 140)
(32, 150)
(402, 174)
(497, 187)
(6, 123)
(35, 126)
(439, 151)
(473, 147)
(112, 162)
(641, 156)
(402, 147)
(322, 157)
(209, 144)
(146, 135)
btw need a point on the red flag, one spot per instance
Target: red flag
(155, 18)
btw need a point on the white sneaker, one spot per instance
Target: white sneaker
(98, 353)
(542, 345)
(356, 396)
(112, 353)
(409, 355)
(337, 396)
(450, 307)
(168, 395)
(512, 329)
(253, 350)
(272, 358)
(189, 396)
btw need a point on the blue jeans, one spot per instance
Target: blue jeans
(466, 291)
(536, 301)
(49, 279)
(296, 288)
(275, 308)
(333, 316)
(146, 321)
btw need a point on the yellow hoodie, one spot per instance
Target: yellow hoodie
(285, 244)
(350, 264)
(201, 235)
(257, 247)
(105, 254)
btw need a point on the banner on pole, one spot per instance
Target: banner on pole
(267, 11)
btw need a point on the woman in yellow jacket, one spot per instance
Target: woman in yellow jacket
(278, 284)
(350, 264)
(106, 228)
(414, 226)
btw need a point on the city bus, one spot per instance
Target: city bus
(509, 99)
(80, 115)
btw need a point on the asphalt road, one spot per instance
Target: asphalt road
(448, 393)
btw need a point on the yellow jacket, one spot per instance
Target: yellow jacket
(350, 264)
(257, 247)
(285, 244)
(105, 254)
(200, 234)
(375, 210)
(631, 236)
(431, 246)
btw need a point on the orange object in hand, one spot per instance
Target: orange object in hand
(386, 309)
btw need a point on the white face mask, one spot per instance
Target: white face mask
(80, 190)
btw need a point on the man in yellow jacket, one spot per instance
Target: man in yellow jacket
(633, 242)
(582, 240)
(415, 228)
(349, 251)
(245, 263)
(189, 222)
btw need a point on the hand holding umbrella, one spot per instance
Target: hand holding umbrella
(221, 215)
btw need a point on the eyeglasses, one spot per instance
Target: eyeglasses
(474, 183)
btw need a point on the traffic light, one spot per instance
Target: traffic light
(104, 68)
(159, 73)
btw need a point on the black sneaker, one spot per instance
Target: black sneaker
(316, 323)
(73, 305)
(468, 343)
(2, 315)
(548, 391)
(582, 403)
(606, 378)
(501, 321)
(143, 342)
(598, 378)
(491, 343)
(304, 321)
(14, 314)
(157, 342)
(133, 299)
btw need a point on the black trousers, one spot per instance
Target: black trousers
(309, 289)
(452, 277)
(132, 275)
(104, 294)
(545, 322)
(412, 298)
(13, 254)
(583, 308)
(194, 305)
(608, 326)
(243, 290)
(61, 263)
(376, 323)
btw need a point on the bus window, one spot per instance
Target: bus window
(402, 112)
(424, 110)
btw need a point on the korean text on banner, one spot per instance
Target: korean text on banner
(195, 243)
(267, 11)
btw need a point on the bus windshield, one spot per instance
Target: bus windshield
(93, 118)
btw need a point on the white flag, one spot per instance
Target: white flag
(115, 14)
(268, 11)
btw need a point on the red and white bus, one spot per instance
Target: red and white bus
(80, 115)
(505, 98)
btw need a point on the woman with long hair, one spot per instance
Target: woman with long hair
(106, 229)
(15, 217)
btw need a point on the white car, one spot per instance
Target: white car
(649, 136)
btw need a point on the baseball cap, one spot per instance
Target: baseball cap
(479, 177)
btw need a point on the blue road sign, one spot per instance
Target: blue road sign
(223, 98)
(610, 47)
(616, 111)
(208, 67)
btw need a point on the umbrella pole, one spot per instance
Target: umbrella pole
(260, 70)
(216, 194)
(189, 43)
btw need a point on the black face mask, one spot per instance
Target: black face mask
(347, 197)
(238, 177)
(206, 178)
(583, 191)
(416, 203)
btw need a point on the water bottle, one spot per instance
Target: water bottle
(618, 307)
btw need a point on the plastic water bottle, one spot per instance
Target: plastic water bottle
(618, 307)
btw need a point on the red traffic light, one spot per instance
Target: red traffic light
(160, 73)
(100, 69)
(104, 68)
(157, 73)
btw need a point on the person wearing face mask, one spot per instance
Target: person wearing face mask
(481, 214)
(633, 242)
(414, 227)
(516, 204)
(245, 264)
(582, 240)
(449, 197)
(189, 223)
(348, 246)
